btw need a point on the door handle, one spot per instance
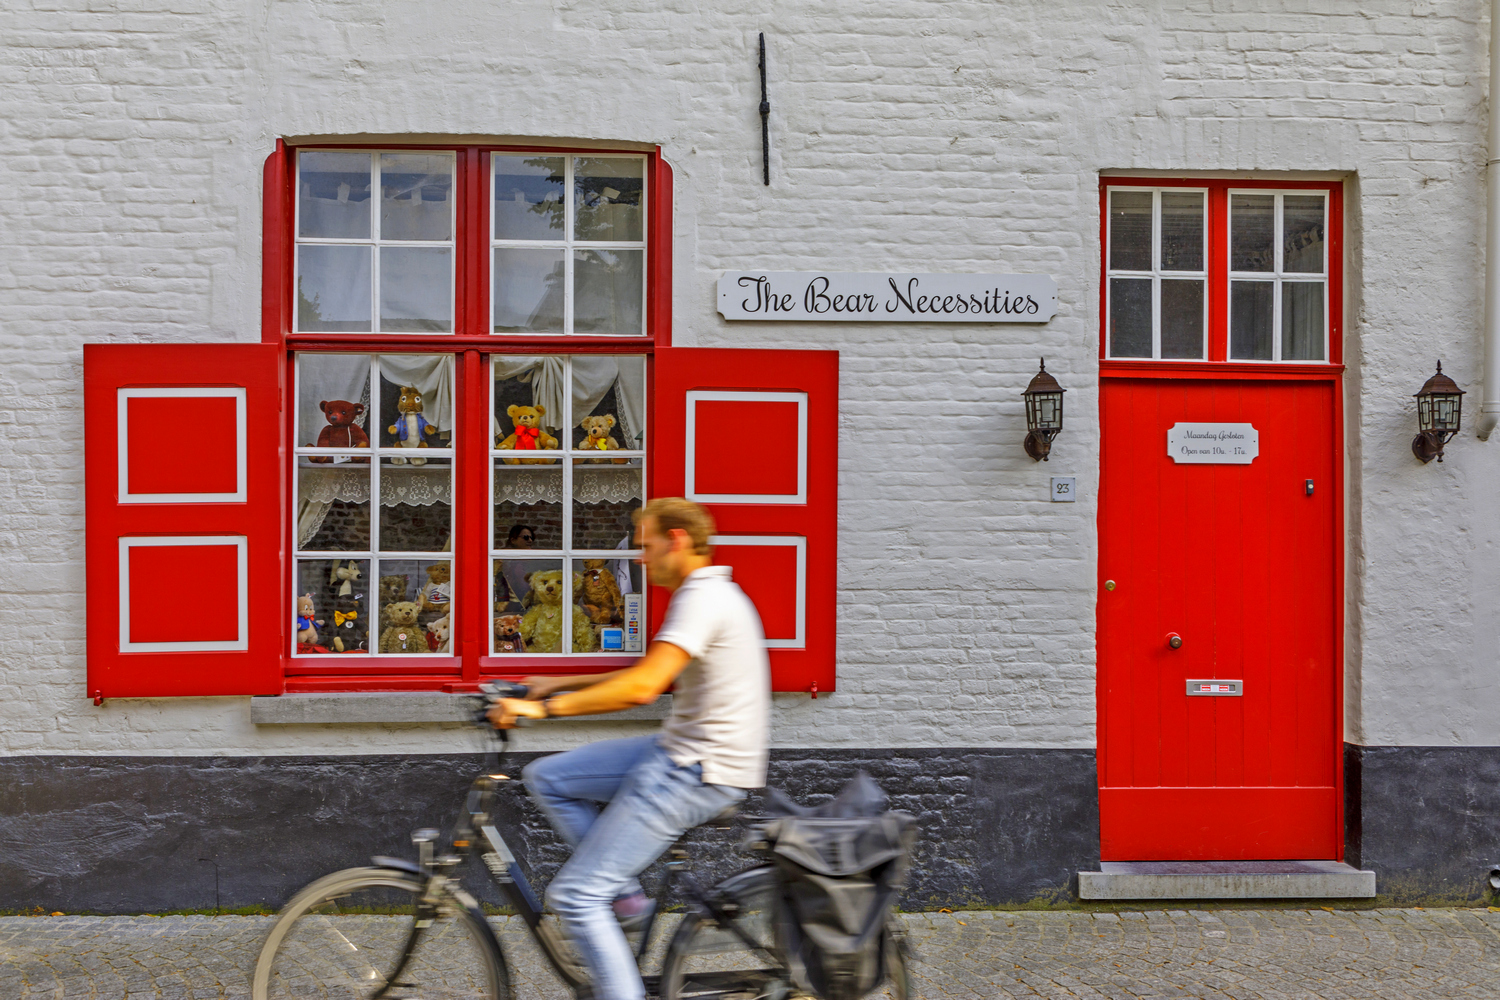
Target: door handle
(1174, 640)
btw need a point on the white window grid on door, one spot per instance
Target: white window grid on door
(375, 241)
(568, 554)
(569, 242)
(1277, 276)
(1156, 274)
(374, 555)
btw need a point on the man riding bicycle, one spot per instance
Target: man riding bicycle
(651, 789)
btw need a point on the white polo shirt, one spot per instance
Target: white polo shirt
(721, 710)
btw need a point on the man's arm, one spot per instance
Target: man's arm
(640, 684)
(541, 687)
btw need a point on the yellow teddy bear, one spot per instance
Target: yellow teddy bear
(543, 624)
(528, 435)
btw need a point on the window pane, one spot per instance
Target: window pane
(607, 197)
(416, 290)
(529, 289)
(333, 195)
(607, 291)
(333, 288)
(333, 400)
(1252, 231)
(1181, 231)
(1250, 320)
(339, 621)
(529, 401)
(1302, 321)
(415, 599)
(529, 197)
(1181, 319)
(1130, 317)
(1130, 230)
(416, 196)
(603, 498)
(1302, 234)
(416, 403)
(416, 504)
(528, 507)
(609, 405)
(333, 504)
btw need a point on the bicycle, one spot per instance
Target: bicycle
(403, 929)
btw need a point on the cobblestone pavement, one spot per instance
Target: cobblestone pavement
(1390, 953)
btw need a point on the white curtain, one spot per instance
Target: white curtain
(432, 376)
(593, 376)
(323, 377)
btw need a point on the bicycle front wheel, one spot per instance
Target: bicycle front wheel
(707, 960)
(359, 935)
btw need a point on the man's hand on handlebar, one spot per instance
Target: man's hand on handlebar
(504, 713)
(538, 688)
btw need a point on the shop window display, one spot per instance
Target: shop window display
(568, 469)
(380, 583)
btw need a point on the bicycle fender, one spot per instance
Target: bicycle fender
(400, 864)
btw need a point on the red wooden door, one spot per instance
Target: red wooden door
(1241, 562)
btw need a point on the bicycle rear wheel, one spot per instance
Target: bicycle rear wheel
(707, 961)
(349, 936)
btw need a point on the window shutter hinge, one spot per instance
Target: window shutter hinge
(814, 690)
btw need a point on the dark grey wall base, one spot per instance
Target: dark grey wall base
(1426, 820)
(147, 834)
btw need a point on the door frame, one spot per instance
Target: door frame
(1238, 372)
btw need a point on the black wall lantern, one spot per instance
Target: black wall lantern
(1044, 413)
(1439, 405)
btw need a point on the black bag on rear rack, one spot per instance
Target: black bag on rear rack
(842, 865)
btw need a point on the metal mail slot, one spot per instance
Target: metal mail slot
(1215, 689)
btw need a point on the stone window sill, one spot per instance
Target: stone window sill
(403, 707)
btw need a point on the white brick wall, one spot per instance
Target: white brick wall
(921, 135)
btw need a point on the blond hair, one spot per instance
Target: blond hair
(677, 514)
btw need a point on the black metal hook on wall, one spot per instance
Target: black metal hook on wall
(765, 115)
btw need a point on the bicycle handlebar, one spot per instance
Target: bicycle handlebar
(490, 693)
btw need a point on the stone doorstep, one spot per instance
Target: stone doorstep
(404, 707)
(1226, 880)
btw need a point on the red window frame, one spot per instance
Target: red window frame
(1218, 363)
(470, 343)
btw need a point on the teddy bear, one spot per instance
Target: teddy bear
(347, 574)
(601, 598)
(410, 425)
(541, 627)
(307, 626)
(438, 635)
(528, 435)
(436, 593)
(599, 438)
(508, 634)
(402, 634)
(342, 431)
(349, 625)
(392, 589)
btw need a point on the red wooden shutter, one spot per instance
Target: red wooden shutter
(183, 487)
(753, 436)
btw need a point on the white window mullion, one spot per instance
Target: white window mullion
(376, 193)
(1155, 274)
(568, 210)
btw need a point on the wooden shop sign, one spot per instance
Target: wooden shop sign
(887, 298)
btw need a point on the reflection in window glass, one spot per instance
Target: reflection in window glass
(530, 290)
(1302, 234)
(1252, 232)
(333, 288)
(416, 200)
(333, 195)
(529, 197)
(416, 285)
(1182, 231)
(607, 198)
(608, 291)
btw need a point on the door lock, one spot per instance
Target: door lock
(1174, 640)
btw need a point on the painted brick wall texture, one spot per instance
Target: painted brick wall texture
(929, 135)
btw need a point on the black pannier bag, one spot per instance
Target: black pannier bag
(842, 865)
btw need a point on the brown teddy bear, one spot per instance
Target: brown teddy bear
(508, 634)
(599, 438)
(528, 435)
(601, 594)
(342, 431)
(402, 634)
(436, 593)
(541, 628)
(410, 425)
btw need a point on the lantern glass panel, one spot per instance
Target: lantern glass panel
(1424, 413)
(1046, 411)
(1445, 413)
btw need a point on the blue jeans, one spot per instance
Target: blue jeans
(647, 803)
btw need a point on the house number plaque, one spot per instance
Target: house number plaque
(1213, 444)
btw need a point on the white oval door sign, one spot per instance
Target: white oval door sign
(1213, 444)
